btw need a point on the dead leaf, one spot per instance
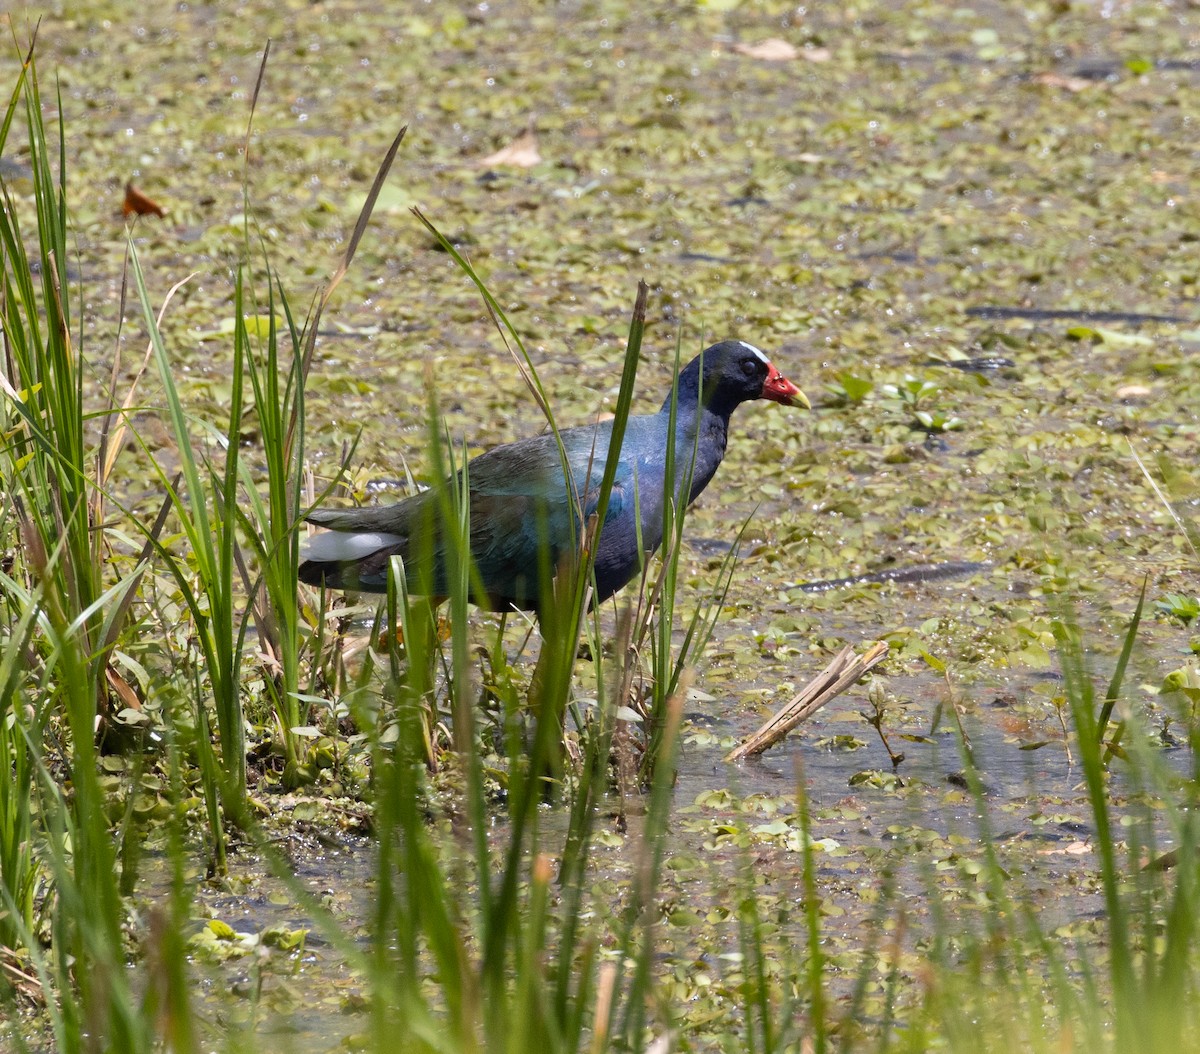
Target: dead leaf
(380, 643)
(1058, 80)
(137, 204)
(1130, 392)
(522, 152)
(122, 689)
(816, 54)
(770, 50)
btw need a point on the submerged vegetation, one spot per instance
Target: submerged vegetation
(390, 827)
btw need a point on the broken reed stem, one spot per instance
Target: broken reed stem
(845, 669)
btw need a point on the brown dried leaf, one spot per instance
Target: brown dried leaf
(122, 688)
(522, 152)
(770, 50)
(137, 204)
(1058, 80)
(1132, 392)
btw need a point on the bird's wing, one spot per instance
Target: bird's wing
(524, 517)
(391, 519)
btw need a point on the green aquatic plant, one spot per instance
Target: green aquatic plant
(1179, 606)
(849, 389)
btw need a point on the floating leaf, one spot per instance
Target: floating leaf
(1058, 80)
(1179, 606)
(283, 938)
(222, 930)
(770, 50)
(522, 152)
(258, 326)
(1119, 339)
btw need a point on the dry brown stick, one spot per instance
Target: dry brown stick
(843, 671)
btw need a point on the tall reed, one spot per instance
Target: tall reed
(56, 648)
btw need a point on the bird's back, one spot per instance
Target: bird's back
(524, 517)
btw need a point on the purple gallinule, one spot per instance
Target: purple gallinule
(522, 509)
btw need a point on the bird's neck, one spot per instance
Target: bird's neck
(691, 417)
(703, 434)
(691, 403)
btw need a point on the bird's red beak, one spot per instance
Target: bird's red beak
(779, 389)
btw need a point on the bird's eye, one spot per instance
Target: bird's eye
(749, 367)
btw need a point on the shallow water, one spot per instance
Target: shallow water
(924, 184)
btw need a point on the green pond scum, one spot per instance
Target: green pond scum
(246, 815)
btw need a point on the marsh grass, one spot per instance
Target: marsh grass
(56, 648)
(515, 969)
(1128, 983)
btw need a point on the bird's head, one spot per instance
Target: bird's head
(735, 372)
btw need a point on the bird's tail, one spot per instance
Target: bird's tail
(349, 559)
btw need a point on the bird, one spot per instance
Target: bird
(525, 516)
